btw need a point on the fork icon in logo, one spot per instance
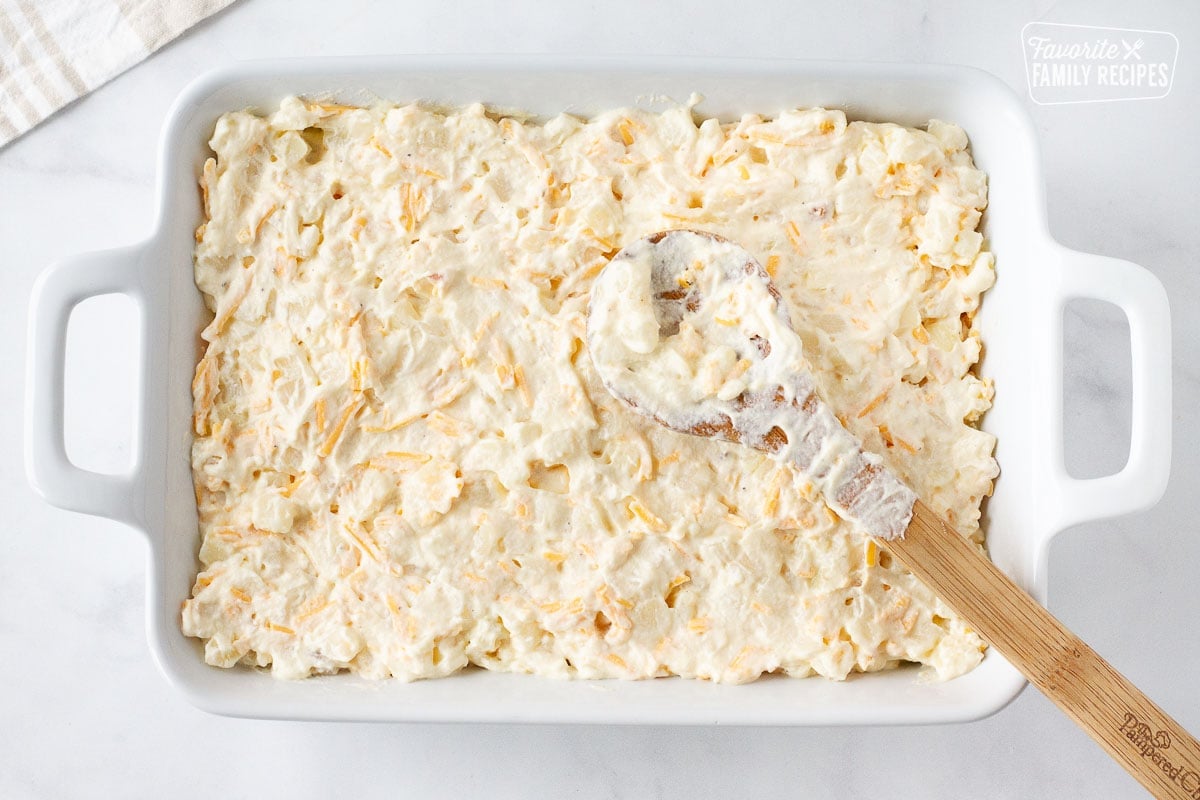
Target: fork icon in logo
(1132, 49)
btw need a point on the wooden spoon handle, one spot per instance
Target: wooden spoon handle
(1139, 735)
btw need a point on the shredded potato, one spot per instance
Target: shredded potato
(404, 460)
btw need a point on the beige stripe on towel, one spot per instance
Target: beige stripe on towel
(50, 45)
(7, 129)
(13, 87)
(39, 79)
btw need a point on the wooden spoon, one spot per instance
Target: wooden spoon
(659, 274)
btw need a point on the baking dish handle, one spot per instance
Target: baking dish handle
(55, 294)
(1143, 479)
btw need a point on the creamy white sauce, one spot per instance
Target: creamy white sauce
(405, 461)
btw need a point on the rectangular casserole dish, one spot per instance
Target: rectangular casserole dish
(1020, 323)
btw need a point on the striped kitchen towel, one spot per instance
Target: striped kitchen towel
(56, 51)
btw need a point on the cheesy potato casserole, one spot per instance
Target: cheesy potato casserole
(405, 462)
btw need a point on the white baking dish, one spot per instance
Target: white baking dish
(1021, 324)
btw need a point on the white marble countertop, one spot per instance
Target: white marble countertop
(84, 710)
